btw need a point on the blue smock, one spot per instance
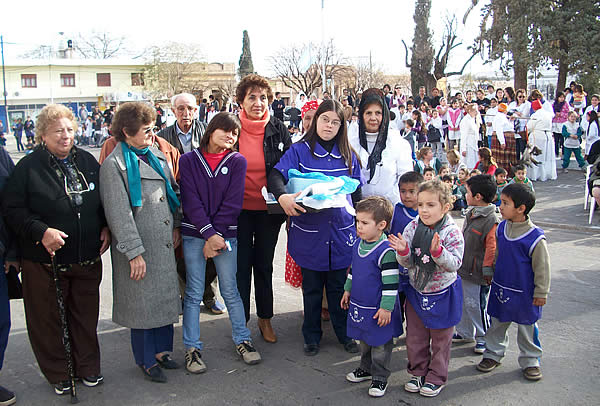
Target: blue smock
(320, 241)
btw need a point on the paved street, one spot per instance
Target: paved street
(569, 334)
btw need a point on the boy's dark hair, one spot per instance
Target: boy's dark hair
(500, 171)
(428, 169)
(520, 195)
(402, 106)
(379, 207)
(410, 177)
(520, 167)
(447, 178)
(485, 185)
(410, 122)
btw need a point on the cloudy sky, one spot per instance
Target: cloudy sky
(357, 27)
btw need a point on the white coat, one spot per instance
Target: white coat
(540, 134)
(469, 135)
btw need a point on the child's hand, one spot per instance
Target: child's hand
(384, 317)
(539, 301)
(345, 300)
(435, 243)
(488, 279)
(397, 243)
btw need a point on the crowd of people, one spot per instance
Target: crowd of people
(184, 206)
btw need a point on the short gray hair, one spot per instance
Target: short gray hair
(188, 96)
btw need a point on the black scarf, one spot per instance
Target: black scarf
(380, 143)
(421, 254)
(558, 106)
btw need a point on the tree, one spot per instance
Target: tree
(98, 45)
(568, 29)
(425, 68)
(174, 68)
(227, 89)
(360, 76)
(508, 30)
(300, 66)
(246, 67)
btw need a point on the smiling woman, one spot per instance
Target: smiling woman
(52, 203)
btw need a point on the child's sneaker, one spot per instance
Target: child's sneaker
(415, 384)
(430, 390)
(479, 348)
(457, 338)
(248, 353)
(377, 389)
(487, 364)
(358, 375)
(532, 373)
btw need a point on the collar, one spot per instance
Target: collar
(322, 153)
(180, 131)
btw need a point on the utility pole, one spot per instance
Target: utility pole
(4, 84)
(323, 44)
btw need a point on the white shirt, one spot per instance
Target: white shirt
(500, 125)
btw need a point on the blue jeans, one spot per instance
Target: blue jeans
(226, 264)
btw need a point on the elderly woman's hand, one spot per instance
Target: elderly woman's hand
(138, 268)
(53, 240)
(105, 238)
(176, 237)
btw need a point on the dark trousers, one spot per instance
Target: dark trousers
(80, 288)
(20, 146)
(4, 314)
(312, 294)
(257, 237)
(210, 286)
(146, 343)
(520, 143)
(376, 360)
(558, 143)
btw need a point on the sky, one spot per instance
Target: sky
(357, 27)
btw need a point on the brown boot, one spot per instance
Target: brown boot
(264, 325)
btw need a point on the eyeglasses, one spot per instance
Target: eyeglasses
(521, 97)
(325, 120)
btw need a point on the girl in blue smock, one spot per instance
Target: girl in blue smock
(321, 243)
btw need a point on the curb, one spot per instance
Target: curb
(569, 227)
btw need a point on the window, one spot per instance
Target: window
(137, 79)
(28, 80)
(103, 79)
(67, 79)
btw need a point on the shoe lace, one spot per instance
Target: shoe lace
(378, 385)
(193, 357)
(245, 347)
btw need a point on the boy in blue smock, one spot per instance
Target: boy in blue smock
(370, 294)
(520, 284)
(404, 212)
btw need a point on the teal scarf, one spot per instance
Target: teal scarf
(134, 180)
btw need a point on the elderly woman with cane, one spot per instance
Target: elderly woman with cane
(140, 200)
(52, 203)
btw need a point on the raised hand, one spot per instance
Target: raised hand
(397, 243)
(435, 243)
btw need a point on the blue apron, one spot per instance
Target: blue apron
(440, 309)
(365, 298)
(320, 241)
(511, 295)
(401, 218)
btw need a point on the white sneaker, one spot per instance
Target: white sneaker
(415, 384)
(377, 389)
(431, 390)
(193, 361)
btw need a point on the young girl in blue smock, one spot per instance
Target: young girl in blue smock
(321, 243)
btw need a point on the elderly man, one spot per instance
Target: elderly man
(185, 134)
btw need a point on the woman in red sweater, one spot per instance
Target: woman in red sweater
(263, 141)
(487, 164)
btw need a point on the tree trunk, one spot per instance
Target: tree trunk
(563, 69)
(520, 70)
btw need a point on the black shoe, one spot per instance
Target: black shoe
(91, 381)
(155, 374)
(377, 389)
(6, 397)
(311, 349)
(62, 388)
(167, 362)
(351, 347)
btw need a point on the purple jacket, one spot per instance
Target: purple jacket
(211, 200)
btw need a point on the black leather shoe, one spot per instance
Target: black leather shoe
(155, 374)
(167, 362)
(351, 347)
(311, 349)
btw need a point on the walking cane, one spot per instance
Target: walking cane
(66, 339)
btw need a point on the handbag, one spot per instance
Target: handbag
(15, 289)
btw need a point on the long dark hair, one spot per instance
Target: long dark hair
(370, 97)
(222, 121)
(558, 106)
(593, 119)
(341, 138)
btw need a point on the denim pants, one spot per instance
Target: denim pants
(475, 320)
(146, 343)
(312, 293)
(226, 264)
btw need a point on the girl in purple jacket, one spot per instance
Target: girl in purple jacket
(212, 191)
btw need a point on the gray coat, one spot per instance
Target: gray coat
(146, 230)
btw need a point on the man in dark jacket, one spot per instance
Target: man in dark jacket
(278, 105)
(294, 113)
(185, 135)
